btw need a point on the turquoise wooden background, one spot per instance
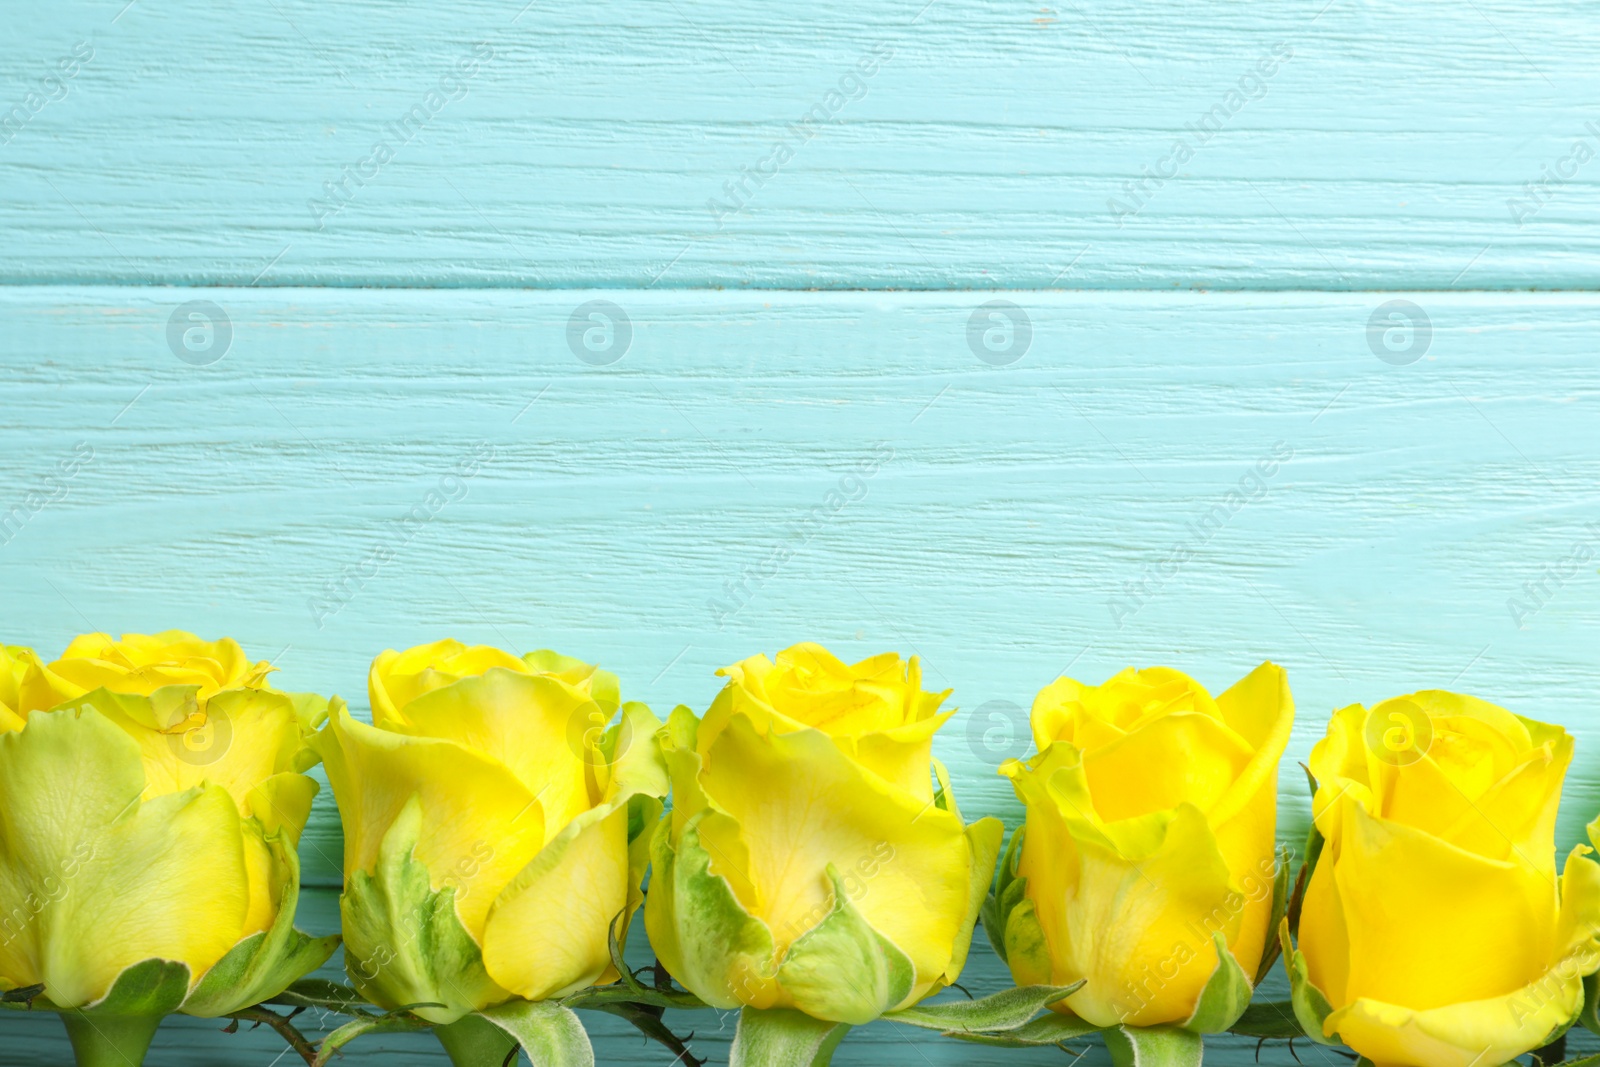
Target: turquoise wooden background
(1039, 461)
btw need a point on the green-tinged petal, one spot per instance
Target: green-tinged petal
(102, 880)
(700, 931)
(551, 1035)
(842, 969)
(983, 838)
(264, 964)
(480, 824)
(404, 944)
(782, 1037)
(1027, 951)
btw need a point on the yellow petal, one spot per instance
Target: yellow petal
(1198, 758)
(237, 738)
(801, 805)
(1494, 1030)
(142, 663)
(547, 932)
(1130, 908)
(397, 678)
(101, 880)
(480, 824)
(529, 724)
(1430, 924)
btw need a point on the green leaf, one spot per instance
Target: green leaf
(844, 968)
(396, 1022)
(549, 1034)
(1275, 1019)
(1310, 1006)
(1153, 1046)
(1052, 1028)
(780, 1037)
(1225, 996)
(320, 993)
(1006, 1010)
(1280, 907)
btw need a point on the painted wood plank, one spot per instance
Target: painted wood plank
(1013, 505)
(930, 144)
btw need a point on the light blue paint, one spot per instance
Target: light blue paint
(1017, 502)
(973, 145)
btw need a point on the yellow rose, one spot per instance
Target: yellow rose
(493, 828)
(808, 862)
(148, 849)
(143, 663)
(26, 685)
(1146, 867)
(1434, 932)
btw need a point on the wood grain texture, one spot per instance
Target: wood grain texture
(1012, 505)
(1392, 149)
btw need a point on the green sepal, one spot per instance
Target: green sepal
(1051, 1028)
(719, 943)
(150, 988)
(1314, 843)
(1026, 950)
(1280, 908)
(1589, 1014)
(1153, 1046)
(548, 1033)
(405, 947)
(998, 907)
(1274, 1019)
(781, 1037)
(1006, 1010)
(1310, 1006)
(1226, 994)
(844, 968)
(265, 963)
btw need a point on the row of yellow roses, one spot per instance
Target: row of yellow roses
(811, 871)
